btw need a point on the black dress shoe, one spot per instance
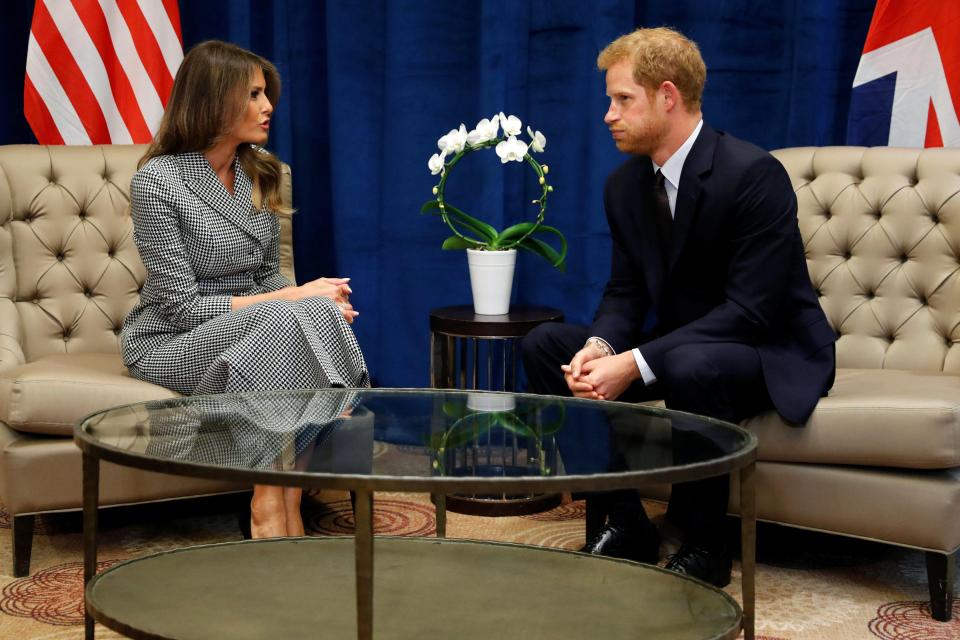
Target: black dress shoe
(640, 543)
(697, 562)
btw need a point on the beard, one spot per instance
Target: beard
(644, 139)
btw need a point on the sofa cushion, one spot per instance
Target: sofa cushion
(873, 417)
(50, 394)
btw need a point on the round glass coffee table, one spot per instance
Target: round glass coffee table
(410, 440)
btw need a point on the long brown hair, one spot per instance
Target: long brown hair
(209, 93)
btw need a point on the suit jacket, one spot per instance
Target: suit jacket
(735, 272)
(200, 247)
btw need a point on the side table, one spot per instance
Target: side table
(458, 331)
(472, 351)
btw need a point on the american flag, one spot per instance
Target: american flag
(100, 71)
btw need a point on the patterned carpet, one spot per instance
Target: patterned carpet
(810, 586)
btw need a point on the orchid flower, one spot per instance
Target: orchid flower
(486, 130)
(511, 149)
(511, 125)
(436, 163)
(454, 141)
(537, 140)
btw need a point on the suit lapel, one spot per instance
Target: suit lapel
(201, 179)
(698, 163)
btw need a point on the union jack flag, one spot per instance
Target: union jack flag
(906, 91)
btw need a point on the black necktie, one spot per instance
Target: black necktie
(664, 218)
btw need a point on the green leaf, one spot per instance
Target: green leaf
(429, 206)
(542, 249)
(470, 426)
(456, 242)
(479, 227)
(454, 409)
(512, 422)
(515, 231)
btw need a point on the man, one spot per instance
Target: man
(709, 304)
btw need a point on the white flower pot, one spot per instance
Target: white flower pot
(491, 279)
(486, 402)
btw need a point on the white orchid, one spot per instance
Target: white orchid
(538, 141)
(436, 163)
(454, 141)
(511, 125)
(511, 149)
(485, 131)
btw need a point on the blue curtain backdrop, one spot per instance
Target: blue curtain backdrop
(369, 86)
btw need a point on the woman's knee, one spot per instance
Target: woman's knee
(274, 313)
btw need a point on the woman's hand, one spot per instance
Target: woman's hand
(337, 289)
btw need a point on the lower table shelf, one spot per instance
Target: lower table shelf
(423, 588)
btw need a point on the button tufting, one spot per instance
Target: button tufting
(847, 255)
(869, 295)
(60, 257)
(88, 293)
(116, 331)
(82, 214)
(903, 259)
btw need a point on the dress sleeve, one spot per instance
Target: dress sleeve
(171, 284)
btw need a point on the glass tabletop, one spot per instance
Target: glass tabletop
(416, 440)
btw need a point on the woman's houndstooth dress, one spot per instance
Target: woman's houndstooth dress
(200, 247)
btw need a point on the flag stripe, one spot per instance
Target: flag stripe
(85, 54)
(95, 24)
(69, 128)
(37, 113)
(167, 39)
(70, 77)
(100, 71)
(151, 103)
(147, 47)
(173, 15)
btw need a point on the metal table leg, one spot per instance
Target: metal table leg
(363, 540)
(91, 500)
(748, 550)
(440, 504)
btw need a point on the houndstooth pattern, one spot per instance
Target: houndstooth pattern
(200, 247)
(262, 431)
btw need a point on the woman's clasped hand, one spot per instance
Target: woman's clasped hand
(336, 289)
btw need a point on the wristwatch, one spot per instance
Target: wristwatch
(600, 344)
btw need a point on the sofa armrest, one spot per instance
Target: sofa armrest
(11, 352)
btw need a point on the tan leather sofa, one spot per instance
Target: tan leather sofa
(69, 273)
(880, 457)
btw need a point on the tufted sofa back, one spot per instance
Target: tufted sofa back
(881, 227)
(69, 271)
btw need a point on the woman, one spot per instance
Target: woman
(215, 313)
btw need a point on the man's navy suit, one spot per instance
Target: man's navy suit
(726, 316)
